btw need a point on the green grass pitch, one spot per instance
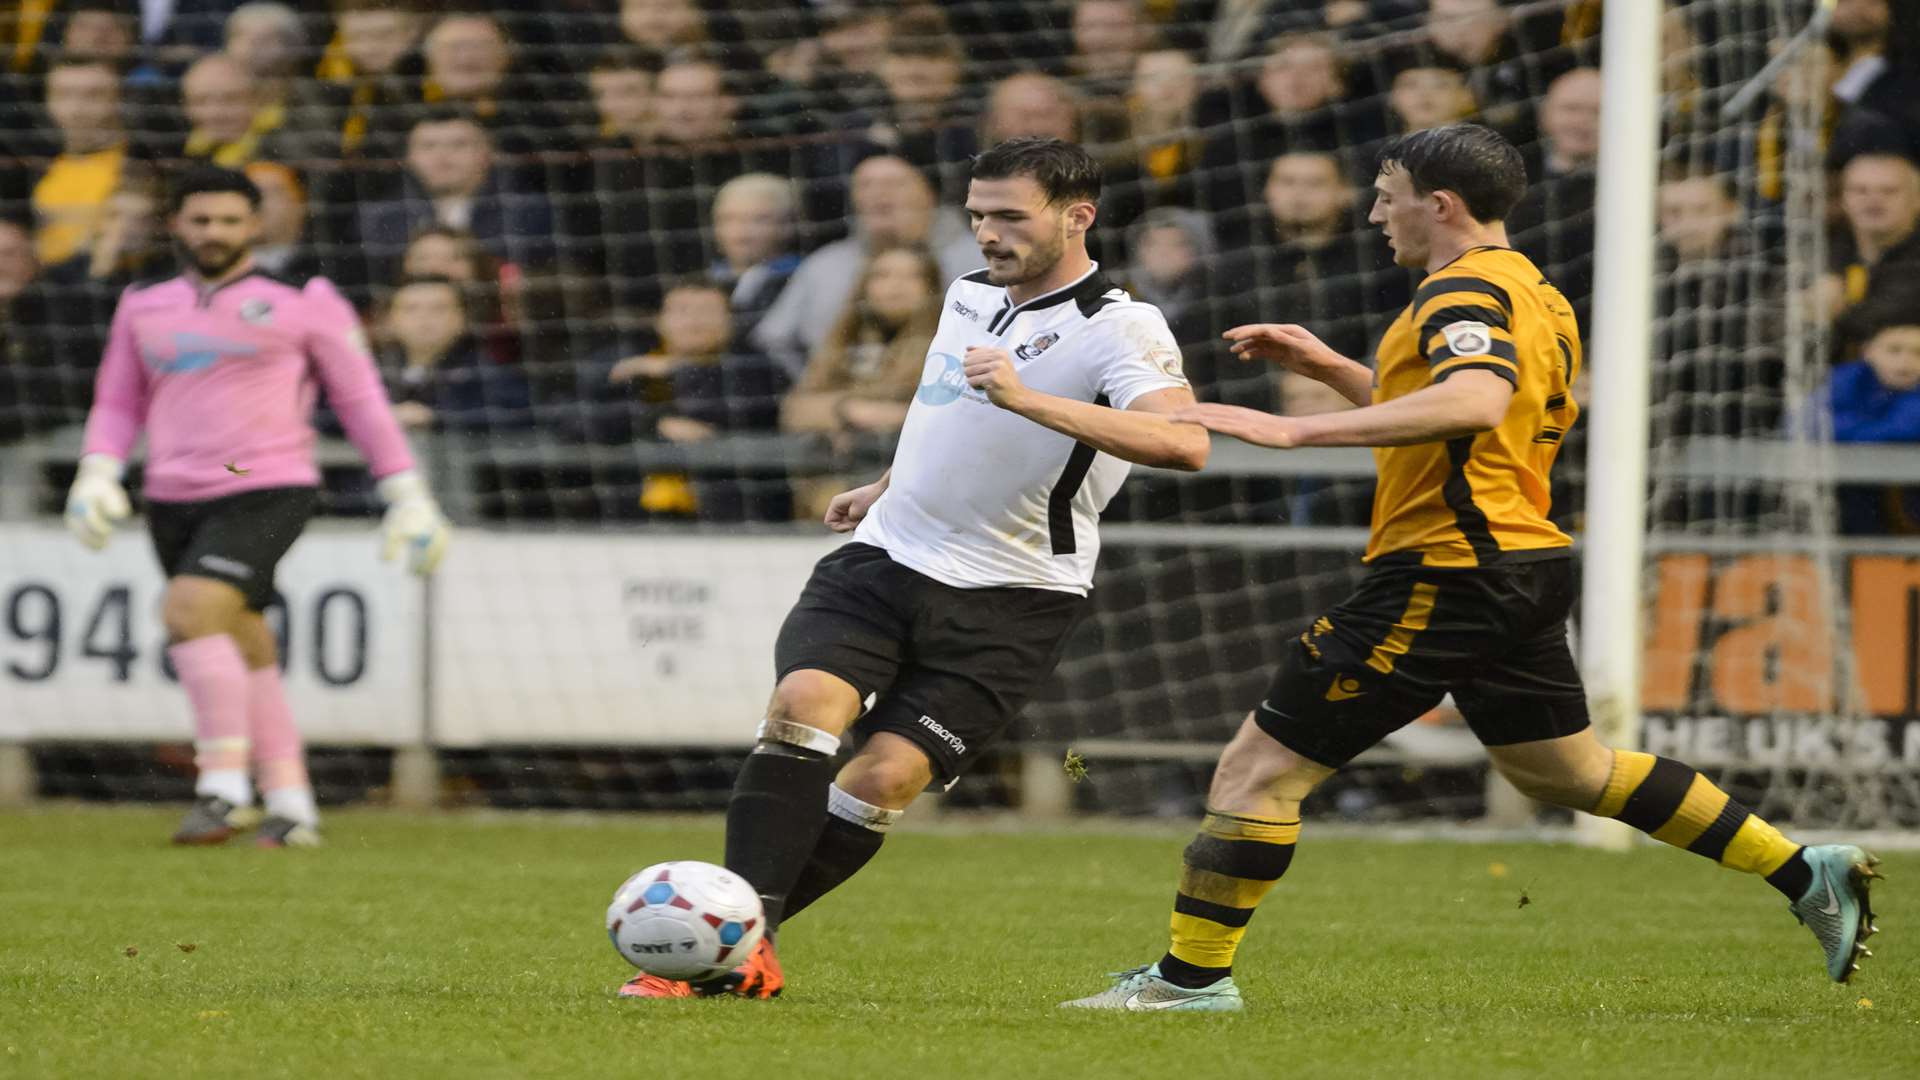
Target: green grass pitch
(434, 946)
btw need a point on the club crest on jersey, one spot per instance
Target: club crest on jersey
(257, 311)
(1167, 360)
(1036, 345)
(1468, 338)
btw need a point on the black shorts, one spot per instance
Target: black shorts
(238, 539)
(1496, 638)
(950, 667)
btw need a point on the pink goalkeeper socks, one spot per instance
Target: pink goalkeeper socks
(215, 679)
(279, 759)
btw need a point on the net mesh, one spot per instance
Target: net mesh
(651, 386)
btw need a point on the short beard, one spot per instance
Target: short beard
(1038, 264)
(207, 270)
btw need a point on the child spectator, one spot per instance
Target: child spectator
(1876, 399)
(491, 288)
(437, 376)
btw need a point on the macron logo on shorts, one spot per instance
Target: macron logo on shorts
(943, 734)
(230, 567)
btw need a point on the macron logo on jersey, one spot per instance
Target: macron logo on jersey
(195, 352)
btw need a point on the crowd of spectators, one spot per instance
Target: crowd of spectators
(602, 221)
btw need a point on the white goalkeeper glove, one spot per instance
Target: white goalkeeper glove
(97, 502)
(413, 521)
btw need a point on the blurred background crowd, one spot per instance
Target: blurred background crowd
(611, 223)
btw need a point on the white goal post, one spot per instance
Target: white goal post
(1619, 362)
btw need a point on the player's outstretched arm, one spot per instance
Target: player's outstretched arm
(97, 502)
(1145, 433)
(1467, 403)
(1298, 350)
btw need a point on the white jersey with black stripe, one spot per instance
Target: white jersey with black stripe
(983, 497)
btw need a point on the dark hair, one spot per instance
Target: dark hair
(448, 114)
(1474, 162)
(1064, 170)
(211, 180)
(1897, 311)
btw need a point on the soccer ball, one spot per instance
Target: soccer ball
(685, 920)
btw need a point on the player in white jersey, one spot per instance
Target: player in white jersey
(971, 558)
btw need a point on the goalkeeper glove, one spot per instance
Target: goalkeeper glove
(97, 502)
(413, 521)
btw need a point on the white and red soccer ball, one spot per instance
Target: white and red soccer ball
(685, 920)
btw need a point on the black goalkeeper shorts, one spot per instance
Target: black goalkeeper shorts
(1495, 638)
(950, 668)
(239, 539)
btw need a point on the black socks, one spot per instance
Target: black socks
(774, 820)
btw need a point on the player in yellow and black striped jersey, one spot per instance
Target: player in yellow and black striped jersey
(1478, 499)
(1467, 590)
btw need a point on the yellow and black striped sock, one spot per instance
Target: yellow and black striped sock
(1676, 805)
(1229, 867)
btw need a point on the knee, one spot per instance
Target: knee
(1255, 770)
(193, 610)
(886, 776)
(815, 699)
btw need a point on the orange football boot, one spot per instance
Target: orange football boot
(653, 986)
(759, 977)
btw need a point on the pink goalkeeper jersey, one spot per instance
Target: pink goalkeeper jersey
(228, 376)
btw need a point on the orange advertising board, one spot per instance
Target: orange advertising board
(1741, 664)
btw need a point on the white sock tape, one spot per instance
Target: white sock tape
(807, 738)
(861, 813)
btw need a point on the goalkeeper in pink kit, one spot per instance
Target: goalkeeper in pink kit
(220, 366)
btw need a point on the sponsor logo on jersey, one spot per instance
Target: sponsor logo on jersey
(1036, 345)
(1468, 338)
(256, 311)
(940, 732)
(965, 312)
(944, 381)
(194, 352)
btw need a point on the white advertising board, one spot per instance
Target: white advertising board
(609, 638)
(82, 650)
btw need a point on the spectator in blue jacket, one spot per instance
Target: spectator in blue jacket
(1876, 399)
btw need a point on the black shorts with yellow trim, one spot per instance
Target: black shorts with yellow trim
(1494, 637)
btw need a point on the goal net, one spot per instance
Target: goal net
(634, 423)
